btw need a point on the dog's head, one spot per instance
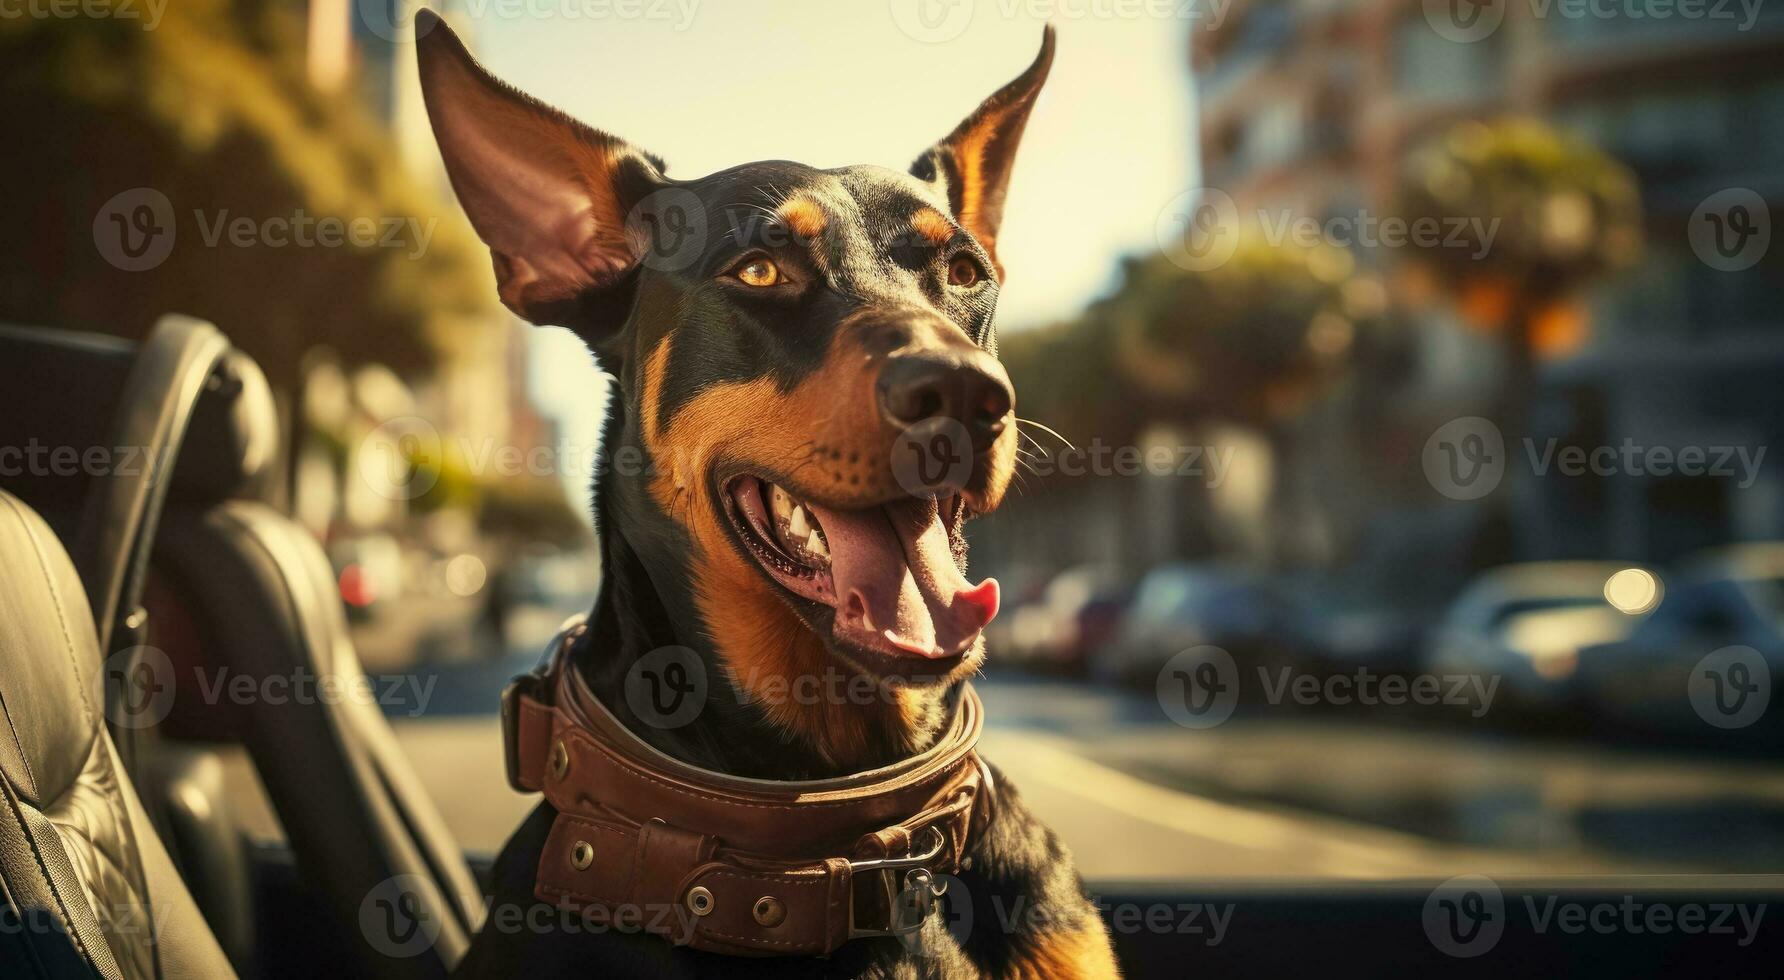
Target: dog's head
(805, 361)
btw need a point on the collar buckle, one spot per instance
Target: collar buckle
(911, 902)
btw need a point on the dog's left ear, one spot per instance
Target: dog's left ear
(973, 163)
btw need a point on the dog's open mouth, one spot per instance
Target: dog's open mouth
(887, 573)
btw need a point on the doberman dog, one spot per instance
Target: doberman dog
(776, 334)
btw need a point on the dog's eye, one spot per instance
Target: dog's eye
(759, 272)
(964, 271)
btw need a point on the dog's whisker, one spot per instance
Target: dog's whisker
(1047, 429)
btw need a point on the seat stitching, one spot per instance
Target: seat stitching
(24, 757)
(61, 907)
(39, 552)
(61, 614)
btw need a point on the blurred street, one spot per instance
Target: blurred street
(1138, 798)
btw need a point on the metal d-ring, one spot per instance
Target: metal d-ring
(916, 870)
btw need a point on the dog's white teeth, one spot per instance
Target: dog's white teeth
(796, 529)
(780, 502)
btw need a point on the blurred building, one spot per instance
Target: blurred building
(362, 48)
(1308, 106)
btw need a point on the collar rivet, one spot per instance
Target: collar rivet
(769, 911)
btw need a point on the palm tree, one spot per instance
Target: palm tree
(1536, 216)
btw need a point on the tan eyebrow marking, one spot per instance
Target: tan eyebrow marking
(933, 225)
(804, 216)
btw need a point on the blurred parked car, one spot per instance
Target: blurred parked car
(531, 596)
(1727, 597)
(1526, 624)
(1071, 619)
(1378, 608)
(1182, 605)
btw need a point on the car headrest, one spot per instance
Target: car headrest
(60, 392)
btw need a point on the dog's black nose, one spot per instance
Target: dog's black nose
(917, 387)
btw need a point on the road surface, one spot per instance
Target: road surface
(1138, 799)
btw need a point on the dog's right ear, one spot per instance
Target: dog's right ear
(548, 195)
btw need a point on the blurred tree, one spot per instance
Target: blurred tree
(1252, 342)
(1543, 215)
(212, 109)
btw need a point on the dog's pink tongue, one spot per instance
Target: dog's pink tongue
(896, 579)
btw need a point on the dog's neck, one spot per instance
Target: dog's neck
(633, 617)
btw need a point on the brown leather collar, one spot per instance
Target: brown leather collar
(729, 864)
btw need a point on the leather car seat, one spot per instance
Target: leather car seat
(254, 594)
(89, 890)
(358, 819)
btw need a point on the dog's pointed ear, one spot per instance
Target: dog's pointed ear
(548, 195)
(973, 163)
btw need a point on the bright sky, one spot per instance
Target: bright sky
(832, 83)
